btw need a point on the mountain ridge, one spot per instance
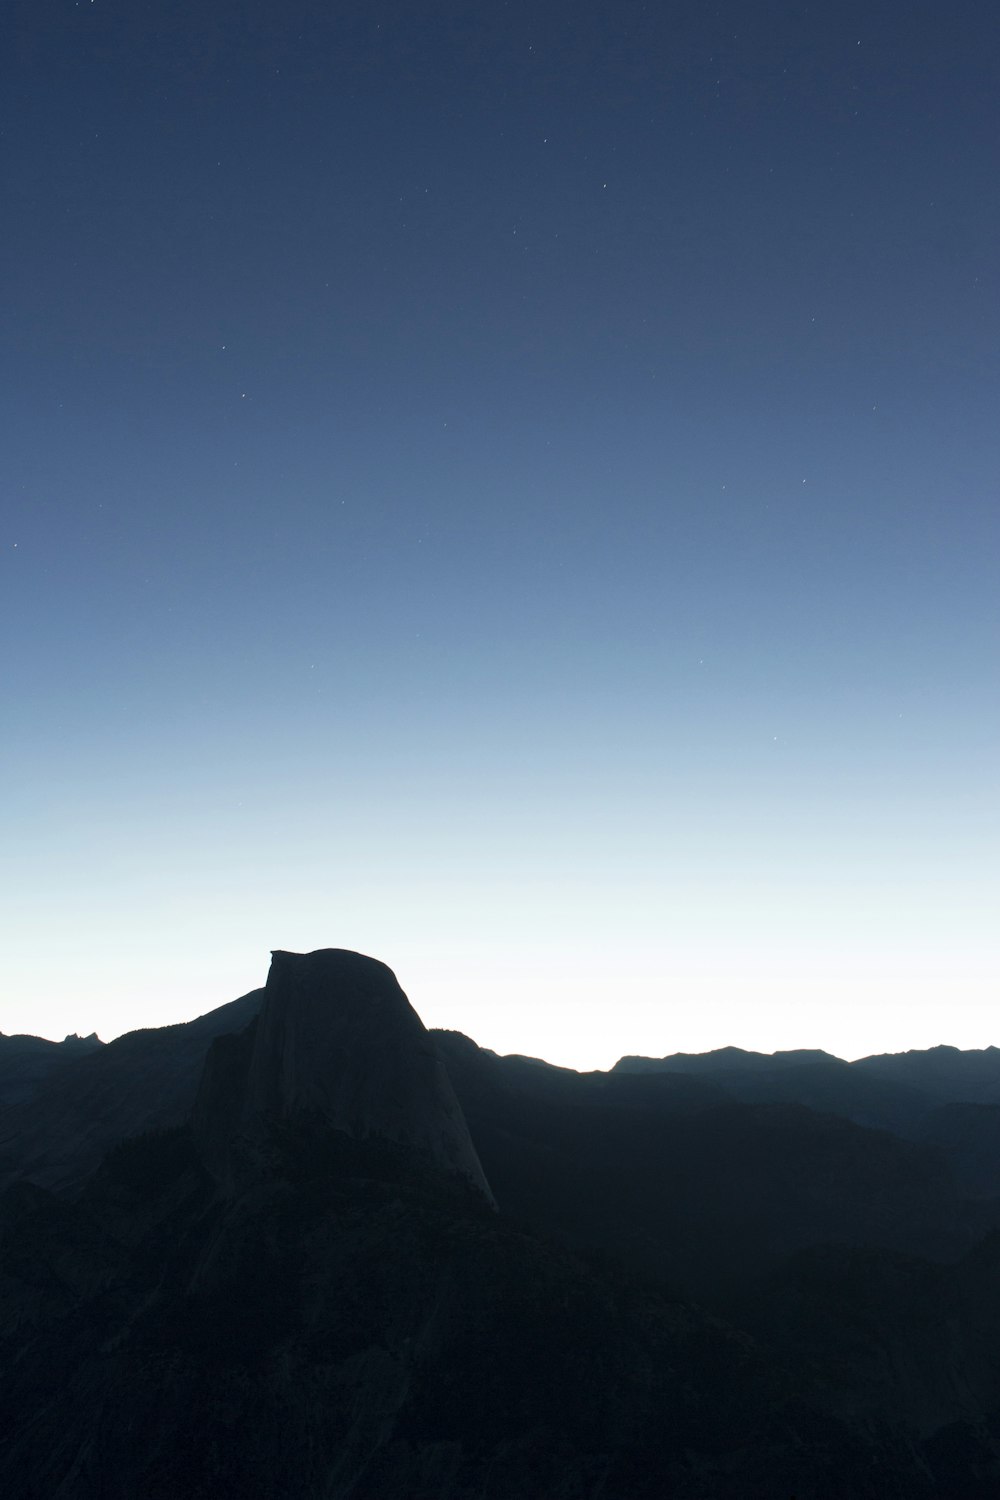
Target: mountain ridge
(254, 1250)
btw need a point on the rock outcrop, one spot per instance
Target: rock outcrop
(337, 1041)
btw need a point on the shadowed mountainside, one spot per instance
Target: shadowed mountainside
(273, 1267)
(945, 1074)
(691, 1186)
(354, 1325)
(893, 1101)
(27, 1061)
(58, 1134)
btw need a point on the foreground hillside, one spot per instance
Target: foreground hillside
(304, 1248)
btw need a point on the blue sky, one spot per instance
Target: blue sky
(516, 496)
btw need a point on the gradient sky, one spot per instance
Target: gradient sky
(512, 489)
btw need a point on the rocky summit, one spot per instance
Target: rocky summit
(336, 1041)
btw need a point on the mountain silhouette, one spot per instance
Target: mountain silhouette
(26, 1061)
(337, 1042)
(58, 1131)
(259, 1255)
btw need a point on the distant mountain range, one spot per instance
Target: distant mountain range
(303, 1247)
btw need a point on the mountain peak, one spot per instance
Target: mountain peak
(337, 1039)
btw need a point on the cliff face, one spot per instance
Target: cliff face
(336, 1041)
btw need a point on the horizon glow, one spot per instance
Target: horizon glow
(519, 499)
